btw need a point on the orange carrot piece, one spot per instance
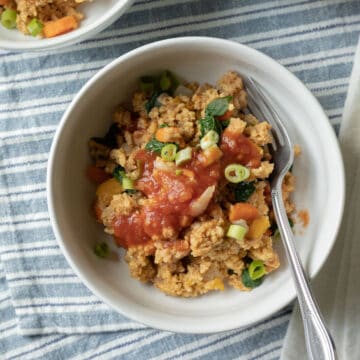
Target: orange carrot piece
(168, 134)
(243, 211)
(210, 155)
(97, 175)
(60, 26)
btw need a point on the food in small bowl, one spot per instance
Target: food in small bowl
(319, 189)
(183, 186)
(43, 18)
(49, 24)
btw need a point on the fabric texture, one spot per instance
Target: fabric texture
(39, 293)
(340, 301)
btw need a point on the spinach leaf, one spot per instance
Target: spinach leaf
(119, 173)
(152, 102)
(248, 282)
(209, 123)
(218, 106)
(243, 190)
(155, 145)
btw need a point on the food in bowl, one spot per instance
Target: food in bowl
(183, 186)
(45, 18)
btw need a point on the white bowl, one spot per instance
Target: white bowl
(98, 15)
(319, 172)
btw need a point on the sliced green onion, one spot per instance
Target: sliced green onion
(34, 27)
(237, 232)
(147, 84)
(101, 250)
(236, 173)
(248, 282)
(127, 183)
(178, 172)
(8, 19)
(183, 156)
(165, 81)
(210, 138)
(256, 270)
(168, 152)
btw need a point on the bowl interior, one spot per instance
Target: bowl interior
(71, 194)
(97, 15)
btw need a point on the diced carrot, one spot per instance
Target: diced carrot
(258, 227)
(169, 134)
(226, 116)
(243, 211)
(210, 155)
(97, 175)
(60, 26)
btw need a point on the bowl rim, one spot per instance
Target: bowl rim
(190, 40)
(80, 34)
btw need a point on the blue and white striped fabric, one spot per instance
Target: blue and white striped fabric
(39, 293)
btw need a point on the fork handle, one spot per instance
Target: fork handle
(319, 344)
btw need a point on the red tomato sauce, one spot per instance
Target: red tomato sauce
(169, 196)
(237, 148)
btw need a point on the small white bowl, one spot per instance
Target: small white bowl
(319, 173)
(98, 15)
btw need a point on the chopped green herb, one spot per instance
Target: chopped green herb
(163, 125)
(101, 250)
(242, 191)
(155, 146)
(119, 173)
(218, 106)
(209, 123)
(152, 102)
(248, 282)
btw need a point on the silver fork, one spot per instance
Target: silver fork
(319, 343)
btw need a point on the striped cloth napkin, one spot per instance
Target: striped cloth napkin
(340, 301)
(39, 293)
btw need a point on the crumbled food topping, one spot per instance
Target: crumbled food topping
(184, 186)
